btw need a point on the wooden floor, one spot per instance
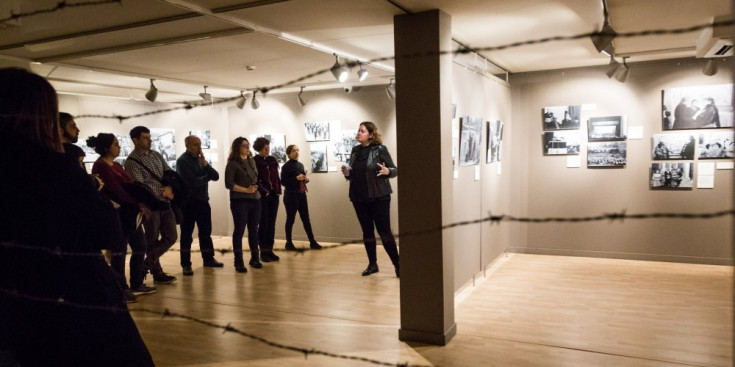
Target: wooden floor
(530, 310)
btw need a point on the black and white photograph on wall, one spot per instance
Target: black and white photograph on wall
(342, 145)
(204, 136)
(672, 175)
(318, 157)
(561, 143)
(673, 146)
(561, 117)
(164, 141)
(494, 140)
(317, 131)
(277, 143)
(470, 140)
(607, 128)
(126, 147)
(607, 154)
(700, 107)
(716, 145)
(90, 156)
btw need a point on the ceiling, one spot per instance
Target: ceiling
(112, 49)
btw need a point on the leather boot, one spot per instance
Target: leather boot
(371, 268)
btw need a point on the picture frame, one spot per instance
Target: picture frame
(470, 140)
(561, 117)
(607, 128)
(697, 107)
(317, 131)
(318, 154)
(671, 176)
(611, 154)
(561, 143)
(673, 146)
(716, 145)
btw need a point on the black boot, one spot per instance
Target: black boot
(290, 246)
(240, 266)
(371, 268)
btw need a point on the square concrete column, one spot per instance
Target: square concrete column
(424, 134)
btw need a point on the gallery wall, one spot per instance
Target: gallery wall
(547, 188)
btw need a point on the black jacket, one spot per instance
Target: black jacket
(377, 186)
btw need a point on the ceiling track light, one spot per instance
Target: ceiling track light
(603, 40)
(300, 98)
(362, 74)
(710, 67)
(206, 96)
(391, 90)
(622, 74)
(254, 103)
(152, 92)
(340, 72)
(241, 102)
(612, 67)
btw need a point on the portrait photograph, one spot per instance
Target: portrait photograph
(561, 117)
(700, 107)
(494, 140)
(673, 146)
(317, 131)
(318, 157)
(672, 175)
(470, 140)
(607, 154)
(561, 143)
(716, 145)
(607, 128)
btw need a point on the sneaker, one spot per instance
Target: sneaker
(290, 246)
(143, 289)
(187, 271)
(315, 246)
(163, 278)
(213, 263)
(129, 296)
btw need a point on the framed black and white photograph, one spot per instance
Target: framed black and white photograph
(317, 131)
(561, 143)
(607, 128)
(90, 156)
(318, 157)
(342, 145)
(673, 146)
(607, 154)
(164, 141)
(700, 107)
(561, 117)
(470, 140)
(716, 145)
(277, 143)
(494, 140)
(204, 136)
(672, 175)
(126, 147)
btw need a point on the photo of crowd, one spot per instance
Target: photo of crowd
(317, 131)
(670, 175)
(607, 154)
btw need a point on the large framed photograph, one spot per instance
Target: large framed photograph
(318, 157)
(561, 143)
(673, 146)
(607, 128)
(470, 140)
(607, 154)
(672, 175)
(317, 131)
(342, 145)
(561, 117)
(716, 145)
(701, 107)
(494, 140)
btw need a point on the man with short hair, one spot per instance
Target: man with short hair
(196, 172)
(147, 166)
(69, 136)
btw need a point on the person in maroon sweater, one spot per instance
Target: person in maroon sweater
(269, 185)
(115, 177)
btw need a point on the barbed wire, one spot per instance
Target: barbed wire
(61, 5)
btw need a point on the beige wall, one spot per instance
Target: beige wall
(548, 189)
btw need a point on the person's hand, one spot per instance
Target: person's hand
(100, 184)
(252, 189)
(202, 160)
(346, 170)
(168, 193)
(301, 177)
(383, 171)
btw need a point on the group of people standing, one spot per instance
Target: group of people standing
(689, 115)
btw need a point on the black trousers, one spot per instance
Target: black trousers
(199, 213)
(163, 223)
(267, 228)
(136, 238)
(296, 202)
(376, 215)
(245, 212)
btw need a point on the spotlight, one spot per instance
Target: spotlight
(612, 67)
(391, 90)
(603, 40)
(622, 74)
(241, 102)
(710, 68)
(206, 96)
(302, 102)
(362, 74)
(340, 72)
(254, 103)
(152, 92)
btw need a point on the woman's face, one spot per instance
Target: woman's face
(114, 148)
(294, 153)
(266, 150)
(244, 147)
(363, 136)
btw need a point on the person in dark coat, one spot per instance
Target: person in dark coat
(294, 180)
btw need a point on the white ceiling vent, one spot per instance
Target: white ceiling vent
(716, 41)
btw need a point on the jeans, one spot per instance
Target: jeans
(267, 228)
(200, 213)
(297, 202)
(376, 215)
(160, 222)
(245, 212)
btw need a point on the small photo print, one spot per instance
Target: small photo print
(607, 128)
(561, 143)
(318, 157)
(716, 145)
(470, 141)
(204, 136)
(494, 140)
(672, 175)
(673, 146)
(561, 117)
(317, 131)
(342, 145)
(607, 154)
